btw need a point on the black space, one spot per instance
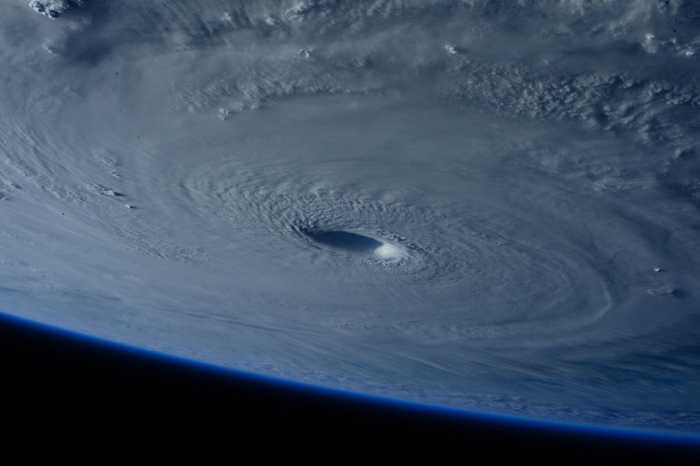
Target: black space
(51, 380)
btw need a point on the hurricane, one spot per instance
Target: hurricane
(490, 205)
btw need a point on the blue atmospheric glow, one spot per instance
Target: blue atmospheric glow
(639, 435)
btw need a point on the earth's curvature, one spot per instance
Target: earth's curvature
(485, 204)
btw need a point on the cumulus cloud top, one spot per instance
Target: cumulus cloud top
(54, 8)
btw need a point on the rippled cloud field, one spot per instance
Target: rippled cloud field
(486, 204)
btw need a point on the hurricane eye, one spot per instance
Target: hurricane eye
(345, 241)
